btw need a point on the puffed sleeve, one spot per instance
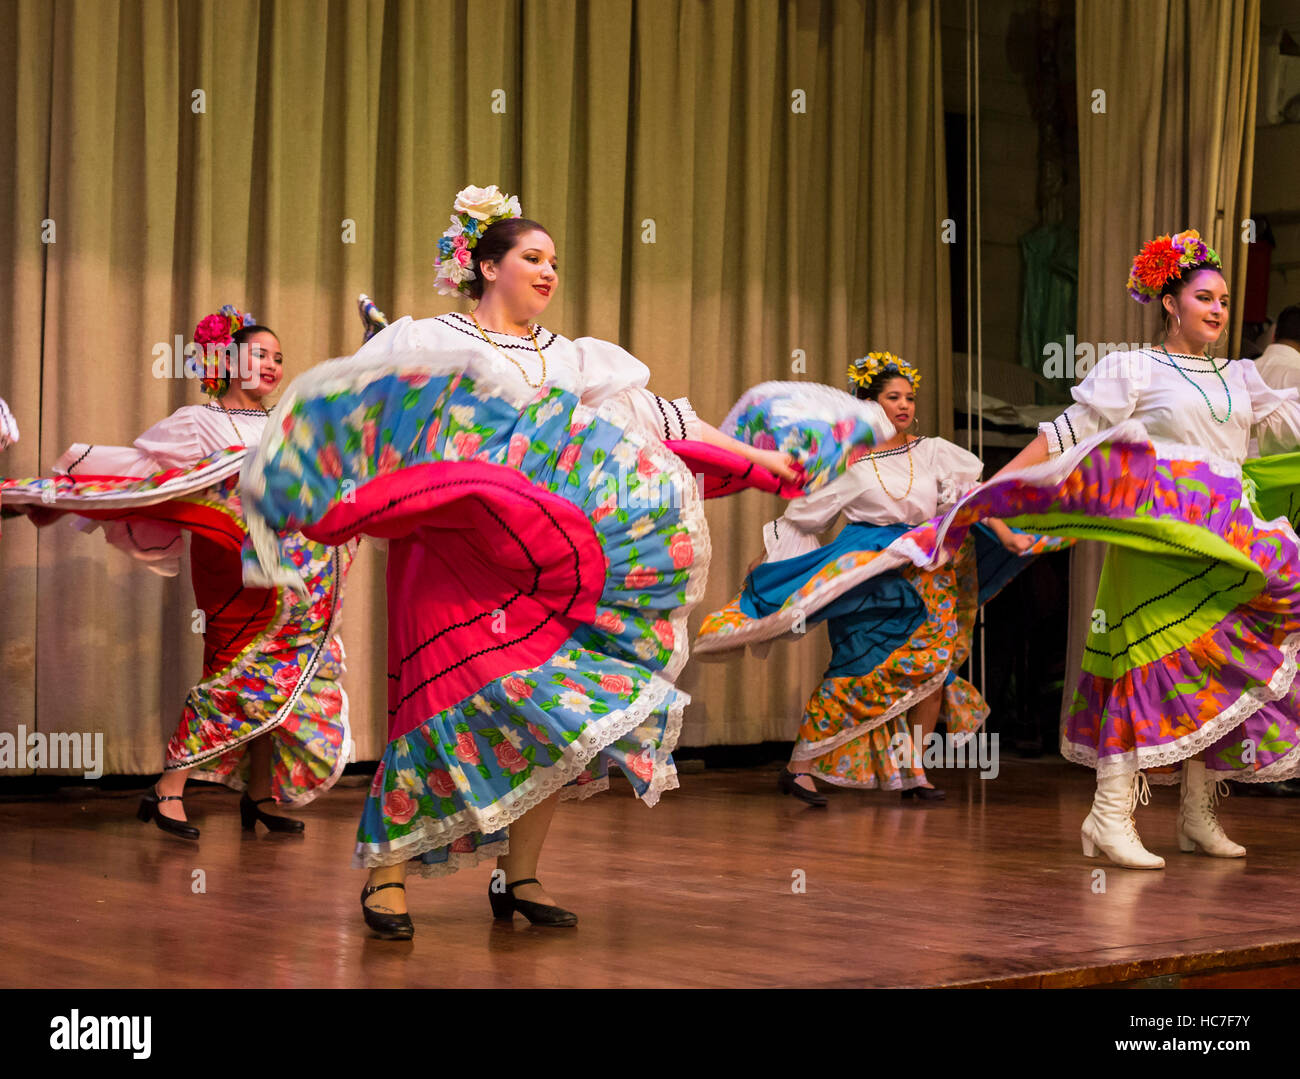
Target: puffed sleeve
(1107, 396)
(170, 443)
(1277, 414)
(610, 372)
(173, 442)
(957, 472)
(795, 533)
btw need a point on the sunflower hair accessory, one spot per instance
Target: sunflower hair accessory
(863, 372)
(213, 335)
(477, 208)
(1167, 258)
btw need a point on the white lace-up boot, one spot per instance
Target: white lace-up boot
(1197, 824)
(1110, 826)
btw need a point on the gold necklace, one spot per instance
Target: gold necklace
(238, 433)
(532, 333)
(911, 474)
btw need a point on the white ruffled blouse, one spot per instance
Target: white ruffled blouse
(939, 472)
(185, 437)
(182, 439)
(594, 371)
(1172, 398)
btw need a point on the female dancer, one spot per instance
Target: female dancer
(545, 548)
(897, 639)
(1191, 658)
(271, 661)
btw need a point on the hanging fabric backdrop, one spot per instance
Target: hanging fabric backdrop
(1173, 149)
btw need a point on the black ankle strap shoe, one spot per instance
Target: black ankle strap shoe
(249, 814)
(386, 926)
(149, 810)
(504, 906)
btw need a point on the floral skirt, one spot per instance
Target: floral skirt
(542, 560)
(900, 626)
(1196, 624)
(855, 730)
(271, 659)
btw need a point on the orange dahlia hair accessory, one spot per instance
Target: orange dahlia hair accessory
(1167, 258)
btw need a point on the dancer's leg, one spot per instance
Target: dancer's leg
(390, 900)
(169, 785)
(527, 835)
(259, 776)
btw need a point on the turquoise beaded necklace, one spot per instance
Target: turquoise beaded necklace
(1227, 392)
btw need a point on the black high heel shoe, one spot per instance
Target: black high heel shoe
(149, 810)
(786, 785)
(504, 905)
(386, 926)
(924, 794)
(249, 814)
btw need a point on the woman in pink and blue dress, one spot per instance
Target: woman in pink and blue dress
(545, 547)
(269, 716)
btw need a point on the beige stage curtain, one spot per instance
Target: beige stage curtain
(1172, 150)
(731, 187)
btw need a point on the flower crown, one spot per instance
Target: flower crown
(213, 335)
(865, 371)
(476, 208)
(1164, 259)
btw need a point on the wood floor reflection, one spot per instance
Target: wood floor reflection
(704, 890)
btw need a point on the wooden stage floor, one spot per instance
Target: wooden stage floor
(987, 888)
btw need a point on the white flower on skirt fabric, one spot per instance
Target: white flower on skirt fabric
(643, 526)
(575, 702)
(458, 777)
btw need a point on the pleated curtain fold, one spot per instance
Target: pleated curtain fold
(1166, 97)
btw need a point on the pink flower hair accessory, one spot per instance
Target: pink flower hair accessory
(214, 335)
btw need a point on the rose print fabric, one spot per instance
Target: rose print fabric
(542, 560)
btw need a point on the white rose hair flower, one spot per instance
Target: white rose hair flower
(477, 208)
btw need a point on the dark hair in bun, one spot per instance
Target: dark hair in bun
(497, 241)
